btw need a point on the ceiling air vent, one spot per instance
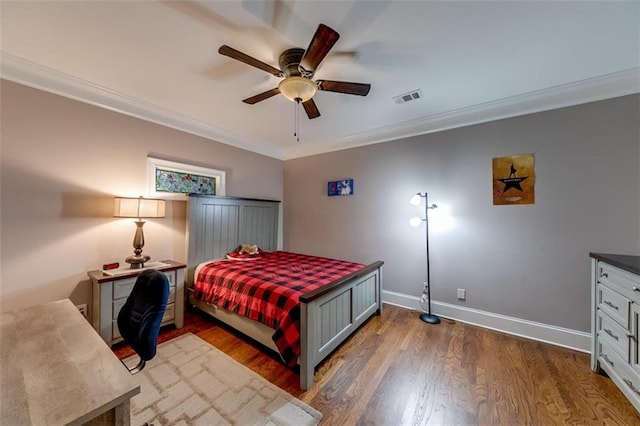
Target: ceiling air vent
(407, 97)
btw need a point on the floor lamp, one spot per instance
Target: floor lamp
(415, 222)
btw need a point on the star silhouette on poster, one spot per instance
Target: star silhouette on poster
(512, 181)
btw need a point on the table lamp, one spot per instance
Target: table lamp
(138, 208)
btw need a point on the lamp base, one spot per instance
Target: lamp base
(431, 319)
(137, 260)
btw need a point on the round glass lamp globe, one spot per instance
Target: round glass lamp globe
(415, 221)
(416, 200)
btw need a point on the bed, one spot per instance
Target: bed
(328, 314)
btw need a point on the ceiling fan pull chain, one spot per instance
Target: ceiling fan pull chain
(296, 130)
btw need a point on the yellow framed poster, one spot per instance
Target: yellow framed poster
(514, 180)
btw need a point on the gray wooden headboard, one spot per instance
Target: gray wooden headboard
(217, 225)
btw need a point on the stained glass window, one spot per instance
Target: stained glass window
(186, 183)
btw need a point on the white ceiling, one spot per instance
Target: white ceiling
(473, 61)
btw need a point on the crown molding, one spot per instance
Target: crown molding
(588, 90)
(593, 89)
(30, 74)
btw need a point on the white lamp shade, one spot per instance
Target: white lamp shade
(416, 200)
(415, 221)
(139, 207)
(294, 88)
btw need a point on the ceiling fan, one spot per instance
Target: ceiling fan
(297, 67)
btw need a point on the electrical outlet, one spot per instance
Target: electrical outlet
(425, 293)
(462, 294)
(83, 309)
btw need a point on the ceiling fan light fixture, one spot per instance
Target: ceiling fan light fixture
(298, 89)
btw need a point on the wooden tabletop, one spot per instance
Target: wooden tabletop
(55, 368)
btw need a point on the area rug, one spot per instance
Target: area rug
(190, 382)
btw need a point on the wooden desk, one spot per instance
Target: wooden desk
(55, 369)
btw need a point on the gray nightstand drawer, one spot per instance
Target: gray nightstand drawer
(121, 289)
(118, 304)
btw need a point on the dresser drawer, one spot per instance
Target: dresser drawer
(621, 281)
(169, 315)
(608, 356)
(615, 304)
(614, 334)
(621, 373)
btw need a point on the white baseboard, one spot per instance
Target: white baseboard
(567, 338)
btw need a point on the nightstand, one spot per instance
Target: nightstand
(111, 289)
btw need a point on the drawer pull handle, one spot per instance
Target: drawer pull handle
(630, 384)
(606, 302)
(604, 274)
(606, 358)
(610, 333)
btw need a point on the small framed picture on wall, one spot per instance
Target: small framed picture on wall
(514, 180)
(340, 187)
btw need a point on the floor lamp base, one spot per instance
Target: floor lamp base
(431, 319)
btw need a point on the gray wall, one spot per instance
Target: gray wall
(62, 162)
(529, 262)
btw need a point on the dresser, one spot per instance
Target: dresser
(615, 321)
(111, 289)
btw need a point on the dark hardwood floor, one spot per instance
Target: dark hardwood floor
(399, 370)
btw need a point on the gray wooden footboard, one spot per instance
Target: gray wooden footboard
(329, 315)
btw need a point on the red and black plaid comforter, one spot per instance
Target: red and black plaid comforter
(267, 289)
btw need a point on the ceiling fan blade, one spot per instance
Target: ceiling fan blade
(243, 57)
(261, 96)
(322, 41)
(311, 109)
(346, 87)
